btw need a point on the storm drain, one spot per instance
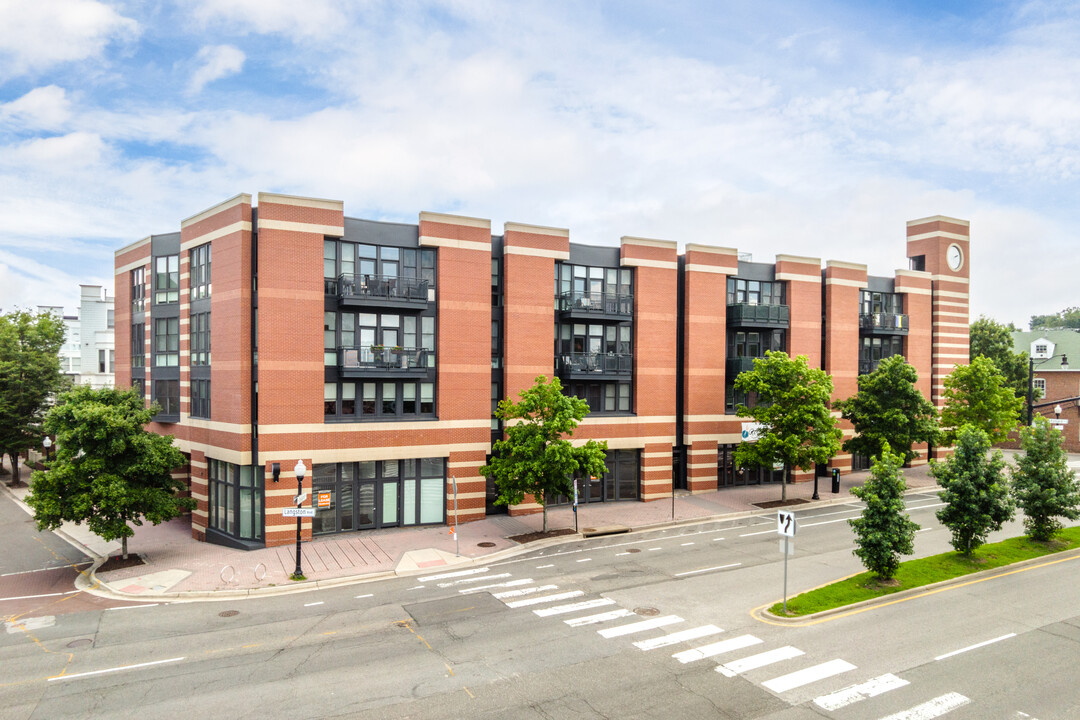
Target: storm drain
(81, 642)
(646, 611)
(228, 613)
(485, 544)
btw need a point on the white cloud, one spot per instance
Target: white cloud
(215, 62)
(42, 109)
(310, 18)
(36, 35)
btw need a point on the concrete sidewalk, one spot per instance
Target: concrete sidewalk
(178, 567)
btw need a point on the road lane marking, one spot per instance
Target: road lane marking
(932, 708)
(598, 618)
(761, 532)
(807, 675)
(115, 669)
(651, 549)
(46, 569)
(718, 567)
(364, 596)
(511, 583)
(585, 560)
(131, 607)
(622, 553)
(717, 539)
(649, 624)
(976, 645)
(465, 581)
(685, 544)
(855, 693)
(523, 591)
(760, 660)
(546, 598)
(417, 587)
(675, 638)
(575, 607)
(34, 597)
(706, 651)
(541, 567)
(459, 573)
(314, 603)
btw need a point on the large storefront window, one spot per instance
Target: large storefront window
(235, 500)
(621, 481)
(729, 474)
(377, 494)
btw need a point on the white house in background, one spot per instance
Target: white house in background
(87, 354)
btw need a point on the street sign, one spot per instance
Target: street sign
(298, 512)
(1059, 422)
(299, 499)
(785, 523)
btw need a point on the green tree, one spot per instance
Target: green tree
(29, 376)
(974, 490)
(792, 407)
(108, 471)
(889, 411)
(537, 457)
(1069, 318)
(977, 394)
(1043, 485)
(884, 532)
(993, 340)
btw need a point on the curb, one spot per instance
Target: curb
(762, 613)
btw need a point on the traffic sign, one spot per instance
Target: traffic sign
(785, 523)
(1060, 422)
(299, 499)
(298, 512)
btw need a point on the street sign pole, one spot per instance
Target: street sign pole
(786, 540)
(575, 506)
(457, 540)
(786, 526)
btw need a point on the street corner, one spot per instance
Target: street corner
(415, 561)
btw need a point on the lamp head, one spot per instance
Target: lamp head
(300, 470)
(47, 442)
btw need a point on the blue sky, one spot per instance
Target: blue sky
(774, 127)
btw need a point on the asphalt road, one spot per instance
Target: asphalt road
(557, 634)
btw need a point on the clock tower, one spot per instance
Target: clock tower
(940, 246)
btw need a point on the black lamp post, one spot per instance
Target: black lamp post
(46, 443)
(300, 470)
(1031, 381)
(815, 496)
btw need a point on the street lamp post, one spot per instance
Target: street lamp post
(1031, 381)
(46, 443)
(300, 470)
(815, 496)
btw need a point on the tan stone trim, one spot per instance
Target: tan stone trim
(535, 229)
(715, 269)
(240, 226)
(799, 259)
(938, 234)
(952, 278)
(445, 219)
(199, 496)
(702, 466)
(861, 284)
(695, 247)
(655, 496)
(904, 272)
(796, 277)
(657, 454)
(720, 438)
(133, 246)
(406, 452)
(626, 420)
(914, 290)
(707, 418)
(952, 294)
(312, 228)
(640, 262)
(237, 428)
(536, 252)
(465, 464)
(236, 457)
(299, 201)
(124, 269)
(649, 242)
(241, 199)
(845, 265)
(939, 218)
(427, 241)
(465, 496)
(368, 427)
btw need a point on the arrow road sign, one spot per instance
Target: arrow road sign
(785, 523)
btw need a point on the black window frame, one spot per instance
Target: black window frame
(169, 399)
(166, 344)
(199, 339)
(138, 290)
(200, 398)
(199, 272)
(169, 277)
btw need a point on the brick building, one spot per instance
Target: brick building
(385, 403)
(1055, 385)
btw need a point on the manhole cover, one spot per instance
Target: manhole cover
(485, 544)
(81, 642)
(228, 613)
(633, 550)
(646, 611)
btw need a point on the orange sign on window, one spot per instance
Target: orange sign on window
(324, 499)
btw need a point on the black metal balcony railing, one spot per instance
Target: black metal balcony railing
(888, 323)
(382, 289)
(736, 365)
(378, 360)
(591, 304)
(595, 365)
(868, 366)
(750, 315)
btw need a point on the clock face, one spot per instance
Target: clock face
(955, 257)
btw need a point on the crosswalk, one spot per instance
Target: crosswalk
(736, 656)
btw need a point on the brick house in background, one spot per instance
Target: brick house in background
(1055, 382)
(287, 331)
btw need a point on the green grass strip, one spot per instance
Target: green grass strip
(926, 571)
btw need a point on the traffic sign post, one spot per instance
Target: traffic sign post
(786, 526)
(575, 506)
(453, 528)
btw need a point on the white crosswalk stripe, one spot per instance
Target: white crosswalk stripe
(640, 626)
(681, 636)
(706, 651)
(544, 599)
(598, 618)
(524, 591)
(931, 709)
(511, 583)
(575, 607)
(459, 573)
(807, 675)
(463, 581)
(753, 662)
(855, 693)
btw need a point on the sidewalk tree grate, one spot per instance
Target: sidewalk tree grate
(485, 544)
(646, 611)
(228, 613)
(81, 642)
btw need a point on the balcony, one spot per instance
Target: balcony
(380, 361)
(385, 291)
(736, 365)
(595, 306)
(595, 366)
(868, 366)
(750, 315)
(883, 323)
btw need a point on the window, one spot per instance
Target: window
(1040, 350)
(166, 279)
(167, 395)
(754, 344)
(373, 335)
(379, 493)
(1039, 385)
(139, 384)
(235, 500)
(110, 318)
(200, 338)
(200, 398)
(877, 348)
(199, 272)
(378, 399)
(754, 292)
(608, 397)
(101, 361)
(873, 303)
(362, 262)
(138, 345)
(138, 290)
(167, 342)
